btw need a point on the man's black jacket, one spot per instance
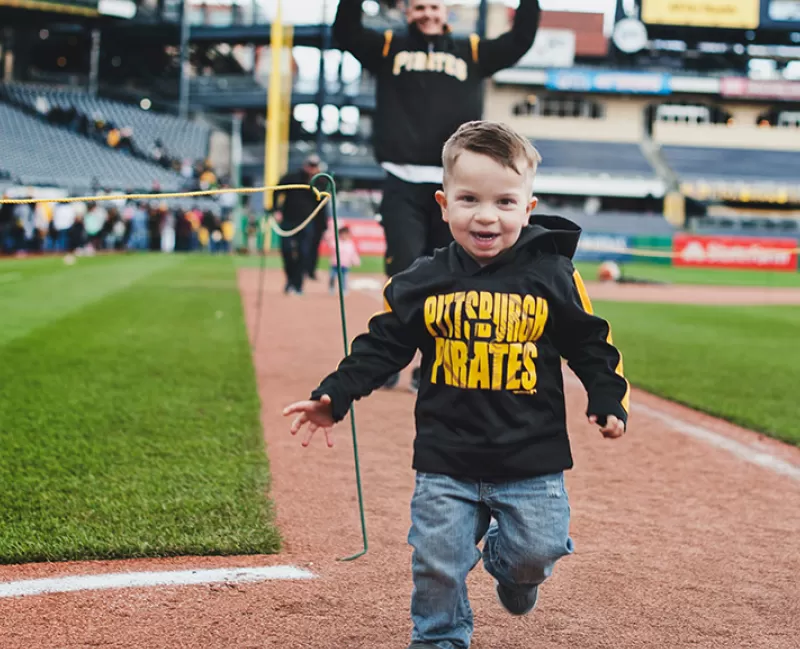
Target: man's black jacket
(428, 86)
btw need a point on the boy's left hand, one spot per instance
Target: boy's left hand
(317, 414)
(614, 427)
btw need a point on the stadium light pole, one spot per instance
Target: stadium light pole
(322, 86)
(183, 97)
(236, 174)
(94, 63)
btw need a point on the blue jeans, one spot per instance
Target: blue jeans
(450, 516)
(335, 275)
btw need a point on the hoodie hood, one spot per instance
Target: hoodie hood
(544, 233)
(550, 233)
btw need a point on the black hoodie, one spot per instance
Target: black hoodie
(491, 397)
(428, 86)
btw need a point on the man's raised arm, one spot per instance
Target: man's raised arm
(351, 35)
(504, 51)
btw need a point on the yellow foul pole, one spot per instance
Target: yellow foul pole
(273, 142)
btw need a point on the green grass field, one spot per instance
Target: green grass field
(738, 363)
(129, 418)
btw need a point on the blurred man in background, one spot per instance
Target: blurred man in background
(292, 207)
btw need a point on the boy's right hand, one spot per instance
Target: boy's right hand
(317, 414)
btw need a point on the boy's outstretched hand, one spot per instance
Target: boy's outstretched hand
(613, 428)
(317, 414)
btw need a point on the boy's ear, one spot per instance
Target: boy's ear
(532, 204)
(441, 198)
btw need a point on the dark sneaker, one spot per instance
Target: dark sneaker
(515, 602)
(392, 381)
(415, 374)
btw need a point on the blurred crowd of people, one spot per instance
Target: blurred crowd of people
(115, 225)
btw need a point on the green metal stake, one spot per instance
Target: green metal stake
(332, 189)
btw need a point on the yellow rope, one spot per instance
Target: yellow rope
(290, 233)
(322, 197)
(116, 197)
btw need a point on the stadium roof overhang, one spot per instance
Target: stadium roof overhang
(31, 13)
(565, 184)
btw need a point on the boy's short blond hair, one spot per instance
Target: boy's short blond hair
(499, 142)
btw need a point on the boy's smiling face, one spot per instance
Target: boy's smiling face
(486, 204)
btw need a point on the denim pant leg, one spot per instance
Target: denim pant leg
(63, 240)
(530, 531)
(447, 521)
(333, 277)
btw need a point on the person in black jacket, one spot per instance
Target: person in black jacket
(294, 206)
(492, 314)
(428, 83)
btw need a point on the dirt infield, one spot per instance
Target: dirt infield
(678, 543)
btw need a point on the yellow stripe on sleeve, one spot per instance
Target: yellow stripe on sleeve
(585, 301)
(587, 306)
(474, 39)
(387, 308)
(387, 42)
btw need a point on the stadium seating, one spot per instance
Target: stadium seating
(612, 158)
(695, 163)
(609, 222)
(37, 153)
(181, 138)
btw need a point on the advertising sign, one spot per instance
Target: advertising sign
(728, 14)
(759, 88)
(654, 83)
(735, 252)
(367, 234)
(603, 247)
(780, 14)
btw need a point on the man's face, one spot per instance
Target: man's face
(430, 16)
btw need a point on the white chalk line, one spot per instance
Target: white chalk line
(150, 579)
(747, 452)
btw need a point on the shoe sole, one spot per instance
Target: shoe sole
(500, 601)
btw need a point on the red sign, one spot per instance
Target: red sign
(735, 252)
(367, 233)
(759, 88)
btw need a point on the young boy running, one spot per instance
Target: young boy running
(492, 314)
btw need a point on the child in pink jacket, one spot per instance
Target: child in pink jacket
(348, 254)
